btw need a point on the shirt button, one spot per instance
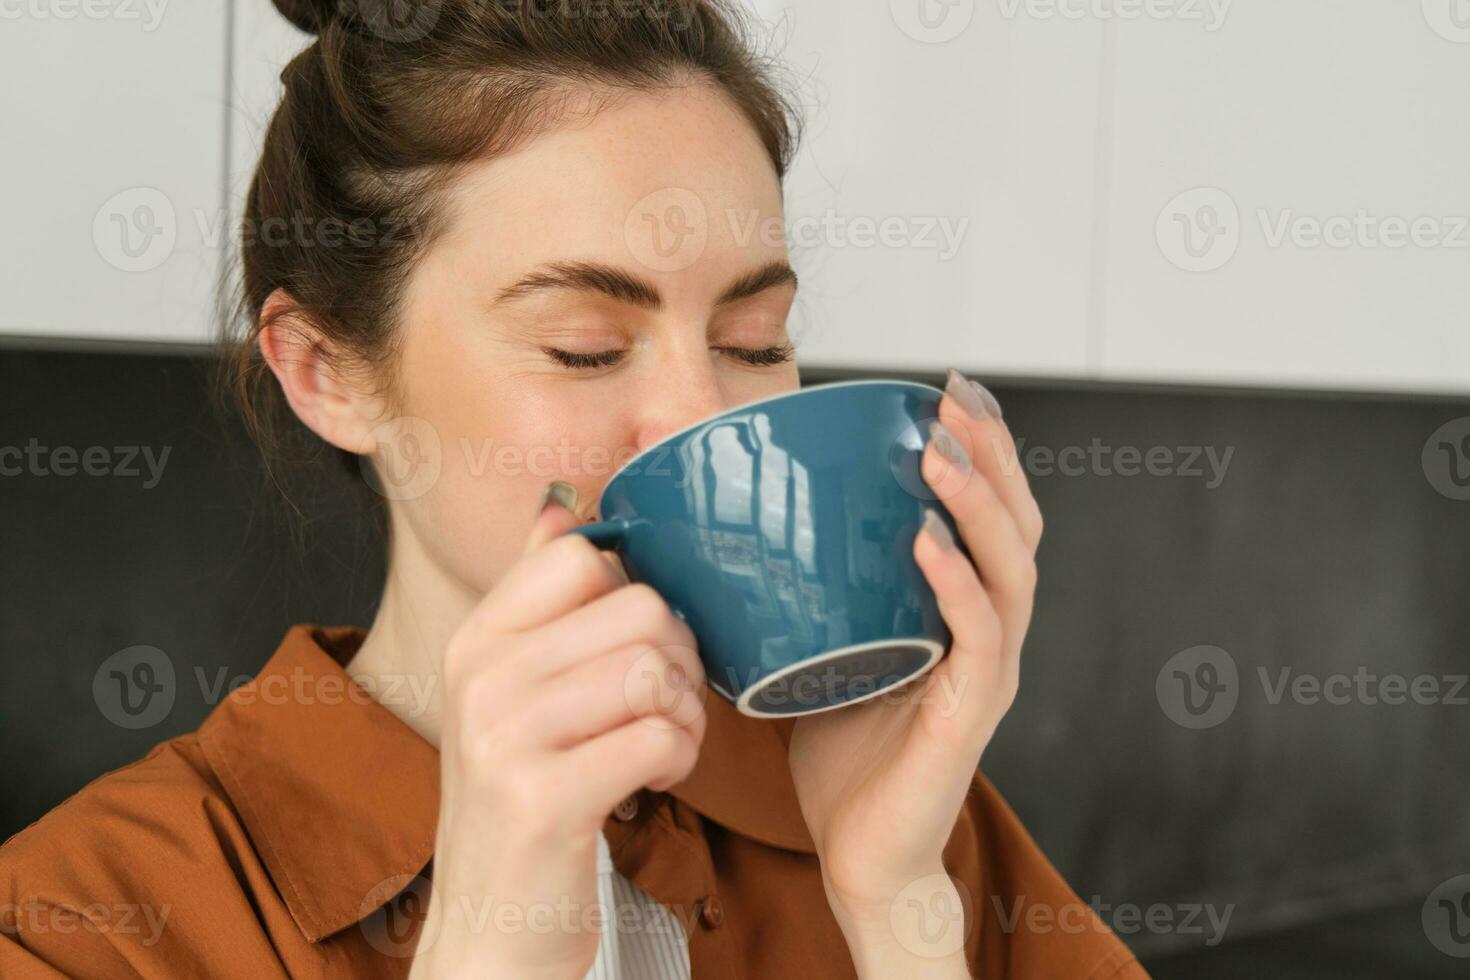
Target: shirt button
(626, 809)
(711, 913)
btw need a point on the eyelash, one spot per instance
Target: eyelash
(758, 357)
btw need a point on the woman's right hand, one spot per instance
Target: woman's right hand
(565, 690)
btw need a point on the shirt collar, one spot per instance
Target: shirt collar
(338, 795)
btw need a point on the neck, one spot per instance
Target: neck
(400, 658)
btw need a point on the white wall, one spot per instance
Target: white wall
(1003, 185)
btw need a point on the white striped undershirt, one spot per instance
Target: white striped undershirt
(641, 939)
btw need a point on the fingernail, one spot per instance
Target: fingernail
(937, 529)
(973, 397)
(949, 447)
(560, 491)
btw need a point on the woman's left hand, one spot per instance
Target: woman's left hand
(881, 784)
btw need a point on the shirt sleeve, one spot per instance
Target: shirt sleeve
(1027, 921)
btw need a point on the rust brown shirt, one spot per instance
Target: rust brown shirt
(291, 836)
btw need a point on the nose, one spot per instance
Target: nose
(686, 389)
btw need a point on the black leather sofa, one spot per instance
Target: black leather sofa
(1320, 549)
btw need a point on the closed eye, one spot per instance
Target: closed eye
(758, 356)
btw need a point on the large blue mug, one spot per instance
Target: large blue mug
(782, 532)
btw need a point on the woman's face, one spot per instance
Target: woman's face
(650, 235)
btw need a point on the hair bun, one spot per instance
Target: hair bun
(311, 16)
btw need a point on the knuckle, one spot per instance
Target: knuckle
(1035, 523)
(642, 665)
(458, 659)
(473, 696)
(479, 747)
(686, 753)
(1009, 687)
(663, 743)
(689, 664)
(1024, 576)
(585, 564)
(988, 625)
(647, 605)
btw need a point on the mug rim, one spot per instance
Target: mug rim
(744, 703)
(825, 386)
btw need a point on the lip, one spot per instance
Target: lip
(749, 405)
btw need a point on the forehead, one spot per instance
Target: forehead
(599, 183)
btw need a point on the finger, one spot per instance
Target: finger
(979, 673)
(1005, 563)
(562, 574)
(661, 685)
(632, 614)
(555, 514)
(558, 496)
(629, 758)
(975, 420)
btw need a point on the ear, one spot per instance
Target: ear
(341, 409)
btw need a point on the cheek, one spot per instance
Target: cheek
(502, 438)
(582, 441)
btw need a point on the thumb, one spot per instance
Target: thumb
(555, 515)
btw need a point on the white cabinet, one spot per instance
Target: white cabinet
(1224, 191)
(264, 42)
(1288, 199)
(969, 135)
(112, 171)
(1231, 191)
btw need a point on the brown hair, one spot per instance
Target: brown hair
(381, 111)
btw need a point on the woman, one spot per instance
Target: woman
(543, 260)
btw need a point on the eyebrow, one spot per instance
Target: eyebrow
(609, 280)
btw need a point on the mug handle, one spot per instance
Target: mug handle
(606, 535)
(609, 536)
